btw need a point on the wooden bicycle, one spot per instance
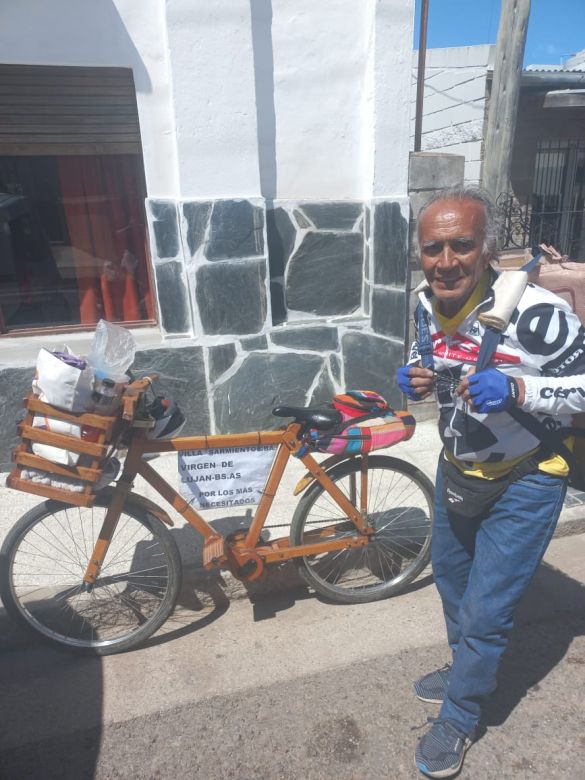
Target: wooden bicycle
(99, 571)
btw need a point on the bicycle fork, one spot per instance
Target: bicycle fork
(102, 544)
(119, 496)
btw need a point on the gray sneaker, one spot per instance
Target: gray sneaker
(440, 752)
(432, 686)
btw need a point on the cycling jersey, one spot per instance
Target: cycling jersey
(544, 344)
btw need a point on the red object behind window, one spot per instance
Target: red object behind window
(103, 202)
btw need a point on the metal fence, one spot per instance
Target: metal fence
(554, 212)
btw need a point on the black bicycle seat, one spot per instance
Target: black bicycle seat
(321, 419)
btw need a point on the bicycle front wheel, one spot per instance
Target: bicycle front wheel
(43, 560)
(400, 505)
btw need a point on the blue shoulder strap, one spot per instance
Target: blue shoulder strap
(424, 341)
(531, 264)
(489, 344)
(551, 439)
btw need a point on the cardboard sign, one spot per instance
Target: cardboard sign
(234, 476)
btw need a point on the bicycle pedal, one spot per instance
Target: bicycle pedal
(214, 552)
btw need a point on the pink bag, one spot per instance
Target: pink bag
(567, 280)
(368, 424)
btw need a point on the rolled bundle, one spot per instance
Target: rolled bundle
(508, 289)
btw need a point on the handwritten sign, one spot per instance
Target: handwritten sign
(233, 476)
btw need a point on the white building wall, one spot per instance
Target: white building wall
(212, 72)
(454, 103)
(320, 62)
(120, 34)
(326, 79)
(276, 147)
(287, 99)
(392, 52)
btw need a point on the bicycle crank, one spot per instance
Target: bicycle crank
(244, 563)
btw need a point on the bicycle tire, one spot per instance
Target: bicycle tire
(42, 562)
(400, 549)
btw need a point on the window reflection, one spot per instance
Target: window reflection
(72, 241)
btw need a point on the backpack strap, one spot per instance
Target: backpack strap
(551, 439)
(489, 344)
(491, 337)
(424, 341)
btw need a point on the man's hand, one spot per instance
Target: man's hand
(416, 383)
(491, 391)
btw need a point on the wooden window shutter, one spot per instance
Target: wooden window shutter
(50, 110)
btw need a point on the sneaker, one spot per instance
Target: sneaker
(432, 686)
(440, 752)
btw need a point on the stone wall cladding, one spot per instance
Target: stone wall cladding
(310, 365)
(387, 277)
(181, 372)
(389, 312)
(226, 261)
(312, 337)
(370, 363)
(221, 358)
(390, 244)
(231, 297)
(330, 262)
(316, 253)
(165, 229)
(173, 298)
(233, 386)
(169, 271)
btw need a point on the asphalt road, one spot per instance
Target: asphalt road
(291, 687)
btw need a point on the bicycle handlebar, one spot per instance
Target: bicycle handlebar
(132, 395)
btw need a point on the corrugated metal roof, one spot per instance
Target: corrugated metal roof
(573, 64)
(555, 69)
(544, 68)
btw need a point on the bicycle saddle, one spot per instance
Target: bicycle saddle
(321, 419)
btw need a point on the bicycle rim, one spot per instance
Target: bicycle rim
(134, 593)
(400, 511)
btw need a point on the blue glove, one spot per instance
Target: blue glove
(403, 380)
(493, 391)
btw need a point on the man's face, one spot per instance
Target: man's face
(451, 235)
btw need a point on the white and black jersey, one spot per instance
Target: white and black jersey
(544, 344)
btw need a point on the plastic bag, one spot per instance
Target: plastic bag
(112, 351)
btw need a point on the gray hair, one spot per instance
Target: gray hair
(492, 228)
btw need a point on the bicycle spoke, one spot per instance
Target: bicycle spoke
(399, 512)
(130, 592)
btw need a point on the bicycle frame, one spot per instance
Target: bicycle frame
(243, 553)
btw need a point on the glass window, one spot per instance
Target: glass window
(73, 245)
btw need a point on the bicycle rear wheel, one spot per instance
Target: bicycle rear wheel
(43, 560)
(400, 505)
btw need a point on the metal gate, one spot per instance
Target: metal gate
(554, 212)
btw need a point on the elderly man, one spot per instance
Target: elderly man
(499, 491)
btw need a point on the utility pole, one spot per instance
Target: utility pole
(420, 81)
(503, 105)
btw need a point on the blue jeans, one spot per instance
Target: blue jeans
(481, 568)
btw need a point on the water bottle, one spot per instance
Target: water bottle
(104, 397)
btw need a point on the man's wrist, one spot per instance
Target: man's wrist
(517, 390)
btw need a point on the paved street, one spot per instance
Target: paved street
(244, 684)
(291, 687)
